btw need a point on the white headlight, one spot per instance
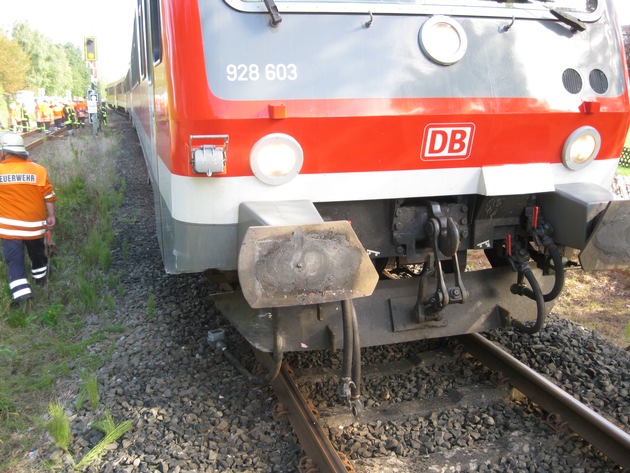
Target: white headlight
(443, 40)
(581, 148)
(276, 158)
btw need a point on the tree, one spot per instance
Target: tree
(14, 66)
(40, 50)
(60, 73)
(53, 67)
(80, 72)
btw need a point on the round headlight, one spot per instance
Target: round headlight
(581, 148)
(443, 40)
(276, 158)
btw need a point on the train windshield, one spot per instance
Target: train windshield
(585, 10)
(578, 4)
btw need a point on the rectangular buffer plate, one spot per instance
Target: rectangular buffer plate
(281, 266)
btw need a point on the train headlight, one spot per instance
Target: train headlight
(443, 40)
(581, 148)
(276, 158)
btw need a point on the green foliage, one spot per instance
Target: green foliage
(89, 390)
(51, 315)
(88, 295)
(112, 431)
(17, 319)
(116, 329)
(53, 67)
(59, 426)
(80, 75)
(14, 65)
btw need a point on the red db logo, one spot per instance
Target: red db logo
(447, 141)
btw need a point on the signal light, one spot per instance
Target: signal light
(89, 45)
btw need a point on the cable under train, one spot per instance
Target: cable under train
(301, 151)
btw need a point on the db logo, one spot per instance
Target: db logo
(447, 141)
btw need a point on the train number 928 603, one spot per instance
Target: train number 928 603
(254, 72)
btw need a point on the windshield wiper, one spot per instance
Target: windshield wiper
(273, 11)
(564, 17)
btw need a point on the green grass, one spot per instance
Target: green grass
(47, 340)
(59, 426)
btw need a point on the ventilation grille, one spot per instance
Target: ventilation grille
(598, 81)
(572, 81)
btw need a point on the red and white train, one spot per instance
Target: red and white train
(298, 148)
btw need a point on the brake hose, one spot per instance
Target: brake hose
(350, 383)
(558, 269)
(536, 294)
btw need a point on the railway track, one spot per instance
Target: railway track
(34, 138)
(315, 430)
(564, 409)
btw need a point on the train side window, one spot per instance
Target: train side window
(142, 43)
(135, 66)
(147, 40)
(156, 31)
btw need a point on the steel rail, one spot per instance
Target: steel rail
(30, 132)
(39, 141)
(595, 429)
(312, 436)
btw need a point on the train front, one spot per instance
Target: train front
(327, 141)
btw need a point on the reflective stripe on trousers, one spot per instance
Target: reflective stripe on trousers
(13, 251)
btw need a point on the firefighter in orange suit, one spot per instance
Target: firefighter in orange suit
(81, 108)
(27, 210)
(57, 109)
(42, 116)
(13, 116)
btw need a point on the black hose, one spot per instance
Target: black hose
(346, 366)
(558, 269)
(537, 296)
(356, 355)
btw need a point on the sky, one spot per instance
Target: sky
(70, 21)
(111, 21)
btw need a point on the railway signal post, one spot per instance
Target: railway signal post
(92, 104)
(89, 44)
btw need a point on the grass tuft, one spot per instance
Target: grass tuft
(112, 431)
(59, 426)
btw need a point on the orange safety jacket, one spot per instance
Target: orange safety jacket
(24, 192)
(42, 113)
(58, 112)
(81, 108)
